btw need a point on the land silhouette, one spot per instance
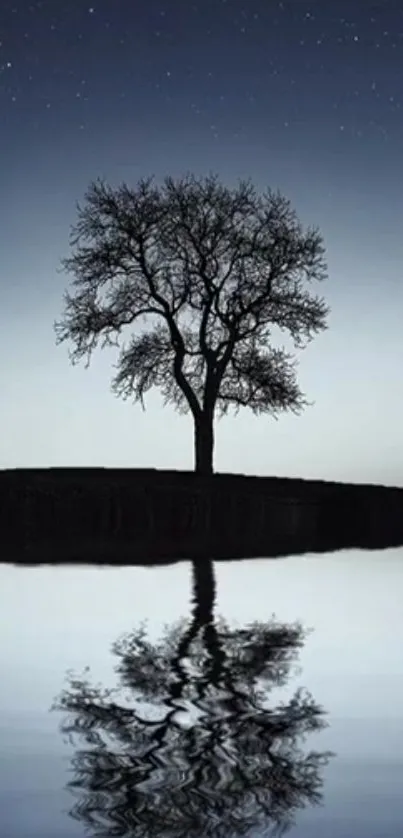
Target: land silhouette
(136, 516)
(193, 743)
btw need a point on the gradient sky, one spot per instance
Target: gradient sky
(301, 96)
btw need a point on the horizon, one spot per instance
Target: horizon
(297, 97)
(189, 471)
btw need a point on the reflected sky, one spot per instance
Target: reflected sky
(61, 618)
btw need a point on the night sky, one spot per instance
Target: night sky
(304, 97)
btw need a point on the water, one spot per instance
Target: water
(66, 618)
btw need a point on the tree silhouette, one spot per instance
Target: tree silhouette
(192, 745)
(214, 272)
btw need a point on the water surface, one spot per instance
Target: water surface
(66, 618)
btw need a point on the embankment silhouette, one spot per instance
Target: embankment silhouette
(145, 516)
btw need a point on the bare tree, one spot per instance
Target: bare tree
(212, 271)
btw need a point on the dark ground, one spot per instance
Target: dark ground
(145, 516)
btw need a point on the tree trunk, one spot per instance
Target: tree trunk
(204, 444)
(204, 590)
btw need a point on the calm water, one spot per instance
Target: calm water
(216, 714)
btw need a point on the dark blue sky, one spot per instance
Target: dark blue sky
(306, 97)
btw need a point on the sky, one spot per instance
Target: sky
(301, 96)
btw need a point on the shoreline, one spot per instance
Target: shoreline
(151, 516)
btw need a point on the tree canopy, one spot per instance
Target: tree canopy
(216, 274)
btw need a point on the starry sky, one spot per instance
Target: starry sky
(301, 96)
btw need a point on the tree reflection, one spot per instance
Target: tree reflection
(189, 744)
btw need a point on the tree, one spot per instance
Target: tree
(213, 757)
(212, 271)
